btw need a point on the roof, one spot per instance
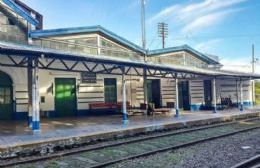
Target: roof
(19, 49)
(115, 37)
(183, 48)
(87, 29)
(20, 11)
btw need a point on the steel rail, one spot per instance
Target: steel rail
(252, 162)
(98, 147)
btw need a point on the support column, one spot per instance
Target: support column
(241, 96)
(253, 92)
(237, 94)
(29, 86)
(214, 96)
(35, 98)
(176, 97)
(145, 88)
(124, 108)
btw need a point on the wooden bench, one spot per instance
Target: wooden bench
(103, 105)
(133, 112)
(161, 111)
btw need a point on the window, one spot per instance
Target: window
(5, 95)
(10, 22)
(110, 90)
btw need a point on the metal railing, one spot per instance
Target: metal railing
(80, 48)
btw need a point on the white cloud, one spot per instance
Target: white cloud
(241, 64)
(204, 13)
(165, 13)
(206, 21)
(208, 45)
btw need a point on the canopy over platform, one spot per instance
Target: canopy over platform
(154, 69)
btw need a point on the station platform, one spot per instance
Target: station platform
(16, 138)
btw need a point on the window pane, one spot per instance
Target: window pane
(1, 91)
(1, 100)
(7, 100)
(7, 92)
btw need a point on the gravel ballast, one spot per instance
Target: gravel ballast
(220, 153)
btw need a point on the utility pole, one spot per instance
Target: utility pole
(144, 48)
(163, 32)
(143, 24)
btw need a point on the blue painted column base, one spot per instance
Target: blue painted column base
(215, 110)
(177, 113)
(125, 120)
(30, 122)
(241, 107)
(36, 126)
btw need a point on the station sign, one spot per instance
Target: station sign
(88, 77)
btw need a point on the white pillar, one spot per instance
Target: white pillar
(145, 88)
(29, 87)
(214, 95)
(124, 108)
(241, 96)
(253, 92)
(176, 98)
(98, 45)
(36, 99)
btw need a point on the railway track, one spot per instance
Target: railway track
(253, 162)
(108, 154)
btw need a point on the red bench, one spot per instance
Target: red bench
(102, 105)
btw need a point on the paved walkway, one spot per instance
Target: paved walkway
(15, 133)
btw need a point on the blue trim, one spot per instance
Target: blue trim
(17, 9)
(195, 107)
(245, 104)
(36, 125)
(21, 116)
(248, 104)
(86, 29)
(183, 48)
(30, 121)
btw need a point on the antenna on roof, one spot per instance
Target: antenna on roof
(143, 24)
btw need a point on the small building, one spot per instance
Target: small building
(92, 71)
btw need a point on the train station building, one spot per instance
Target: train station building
(85, 71)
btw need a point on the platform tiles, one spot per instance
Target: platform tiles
(16, 145)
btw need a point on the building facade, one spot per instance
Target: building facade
(72, 87)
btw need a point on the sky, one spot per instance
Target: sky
(226, 28)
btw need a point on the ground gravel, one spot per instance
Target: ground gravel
(220, 153)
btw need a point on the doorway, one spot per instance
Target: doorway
(65, 97)
(208, 94)
(154, 92)
(110, 90)
(184, 95)
(6, 94)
